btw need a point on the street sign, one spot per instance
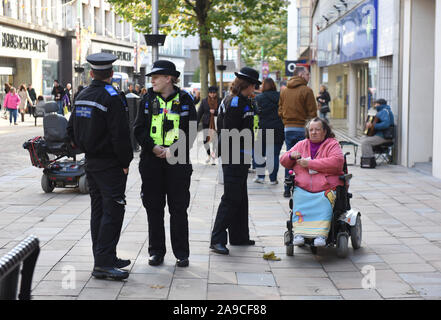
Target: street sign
(265, 70)
(290, 65)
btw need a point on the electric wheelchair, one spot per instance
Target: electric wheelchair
(345, 223)
(46, 152)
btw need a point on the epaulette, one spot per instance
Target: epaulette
(111, 90)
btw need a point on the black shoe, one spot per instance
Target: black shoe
(156, 260)
(121, 263)
(219, 248)
(109, 272)
(182, 263)
(287, 194)
(246, 243)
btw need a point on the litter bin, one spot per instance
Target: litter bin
(132, 103)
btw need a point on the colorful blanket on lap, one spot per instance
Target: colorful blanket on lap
(312, 212)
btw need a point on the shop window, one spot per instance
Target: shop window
(50, 73)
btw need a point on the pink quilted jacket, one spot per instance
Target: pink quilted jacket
(328, 164)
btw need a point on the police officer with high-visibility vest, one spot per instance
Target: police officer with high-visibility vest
(99, 127)
(163, 122)
(237, 116)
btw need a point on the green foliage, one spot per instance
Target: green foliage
(209, 19)
(271, 37)
(196, 75)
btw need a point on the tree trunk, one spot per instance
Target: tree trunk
(203, 60)
(212, 65)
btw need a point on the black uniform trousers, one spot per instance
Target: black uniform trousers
(232, 213)
(107, 192)
(161, 181)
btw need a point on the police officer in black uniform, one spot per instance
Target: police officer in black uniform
(99, 127)
(235, 112)
(163, 122)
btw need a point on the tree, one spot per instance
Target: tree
(204, 18)
(266, 42)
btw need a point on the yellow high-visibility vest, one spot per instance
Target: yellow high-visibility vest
(165, 113)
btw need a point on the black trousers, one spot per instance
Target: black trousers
(232, 213)
(160, 182)
(107, 193)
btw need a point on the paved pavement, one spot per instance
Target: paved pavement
(400, 254)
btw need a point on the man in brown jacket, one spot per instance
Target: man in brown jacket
(296, 106)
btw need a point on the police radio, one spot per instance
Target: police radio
(155, 107)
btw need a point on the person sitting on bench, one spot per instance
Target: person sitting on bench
(376, 132)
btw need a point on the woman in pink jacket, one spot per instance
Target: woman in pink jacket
(317, 162)
(11, 102)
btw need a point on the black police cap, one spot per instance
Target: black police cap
(248, 74)
(164, 67)
(101, 60)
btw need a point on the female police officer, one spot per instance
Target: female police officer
(162, 123)
(236, 113)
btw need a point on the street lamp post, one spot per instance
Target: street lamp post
(155, 20)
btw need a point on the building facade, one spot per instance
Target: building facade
(391, 49)
(45, 40)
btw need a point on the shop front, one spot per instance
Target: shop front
(28, 57)
(346, 56)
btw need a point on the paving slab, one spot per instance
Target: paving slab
(401, 240)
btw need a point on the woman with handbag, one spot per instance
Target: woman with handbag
(323, 100)
(24, 100)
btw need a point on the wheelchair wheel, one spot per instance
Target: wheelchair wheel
(342, 245)
(356, 234)
(290, 250)
(83, 185)
(46, 184)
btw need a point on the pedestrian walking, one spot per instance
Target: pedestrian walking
(67, 99)
(163, 122)
(58, 93)
(296, 106)
(33, 96)
(206, 113)
(268, 105)
(130, 89)
(3, 94)
(323, 99)
(11, 103)
(99, 127)
(25, 100)
(236, 115)
(80, 88)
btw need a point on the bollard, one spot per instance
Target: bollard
(132, 104)
(27, 253)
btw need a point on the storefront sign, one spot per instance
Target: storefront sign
(24, 43)
(353, 37)
(290, 66)
(124, 54)
(21, 43)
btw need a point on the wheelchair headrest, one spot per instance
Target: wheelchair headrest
(55, 128)
(50, 106)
